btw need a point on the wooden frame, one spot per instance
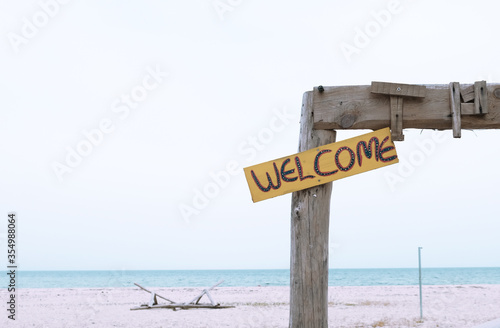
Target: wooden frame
(453, 106)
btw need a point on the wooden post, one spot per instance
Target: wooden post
(309, 235)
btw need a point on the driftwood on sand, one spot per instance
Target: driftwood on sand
(193, 304)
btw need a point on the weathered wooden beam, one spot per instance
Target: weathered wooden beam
(398, 89)
(397, 93)
(309, 236)
(467, 109)
(397, 118)
(480, 98)
(467, 93)
(355, 107)
(456, 114)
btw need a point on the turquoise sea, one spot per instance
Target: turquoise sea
(203, 278)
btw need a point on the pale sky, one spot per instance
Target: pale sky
(119, 118)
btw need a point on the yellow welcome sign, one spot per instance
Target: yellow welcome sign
(321, 165)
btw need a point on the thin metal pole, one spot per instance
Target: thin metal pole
(420, 282)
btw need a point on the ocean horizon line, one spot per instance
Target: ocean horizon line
(252, 277)
(381, 268)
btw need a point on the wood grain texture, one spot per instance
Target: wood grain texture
(356, 107)
(480, 98)
(467, 93)
(398, 89)
(456, 114)
(397, 118)
(467, 109)
(309, 236)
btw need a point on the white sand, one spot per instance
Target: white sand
(392, 306)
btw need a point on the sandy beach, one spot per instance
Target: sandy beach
(349, 307)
